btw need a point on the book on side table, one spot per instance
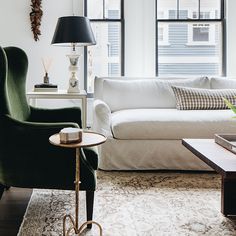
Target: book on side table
(45, 87)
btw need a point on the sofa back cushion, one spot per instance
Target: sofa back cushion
(147, 93)
(223, 83)
(98, 82)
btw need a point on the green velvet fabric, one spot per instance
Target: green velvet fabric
(17, 64)
(27, 159)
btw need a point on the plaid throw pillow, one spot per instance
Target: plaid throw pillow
(202, 99)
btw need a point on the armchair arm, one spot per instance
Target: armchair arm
(31, 161)
(102, 117)
(24, 128)
(68, 114)
(32, 133)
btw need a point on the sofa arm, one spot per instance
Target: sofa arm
(102, 117)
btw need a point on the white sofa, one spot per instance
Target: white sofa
(143, 127)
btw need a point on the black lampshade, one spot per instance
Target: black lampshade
(73, 29)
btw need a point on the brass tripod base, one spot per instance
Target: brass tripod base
(78, 231)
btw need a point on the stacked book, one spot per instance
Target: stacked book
(45, 87)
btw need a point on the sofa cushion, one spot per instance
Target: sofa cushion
(98, 82)
(223, 83)
(151, 93)
(202, 99)
(171, 123)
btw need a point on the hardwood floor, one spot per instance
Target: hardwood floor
(12, 208)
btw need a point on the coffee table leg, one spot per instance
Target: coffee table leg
(228, 196)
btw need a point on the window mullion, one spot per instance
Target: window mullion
(177, 9)
(222, 9)
(103, 9)
(199, 9)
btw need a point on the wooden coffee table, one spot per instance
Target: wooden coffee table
(224, 163)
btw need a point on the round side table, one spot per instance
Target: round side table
(89, 139)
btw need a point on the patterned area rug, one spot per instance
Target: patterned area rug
(135, 204)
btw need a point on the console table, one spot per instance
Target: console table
(61, 94)
(224, 163)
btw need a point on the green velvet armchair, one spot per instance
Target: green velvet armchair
(27, 159)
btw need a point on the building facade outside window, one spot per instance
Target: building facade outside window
(195, 37)
(106, 58)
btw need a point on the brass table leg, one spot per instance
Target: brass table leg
(75, 223)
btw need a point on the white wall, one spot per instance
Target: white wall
(16, 31)
(231, 37)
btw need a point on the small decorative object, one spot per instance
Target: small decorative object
(73, 31)
(46, 66)
(46, 86)
(70, 135)
(35, 18)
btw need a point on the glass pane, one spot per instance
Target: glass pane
(188, 9)
(103, 9)
(163, 34)
(160, 34)
(112, 9)
(166, 9)
(95, 9)
(191, 49)
(104, 59)
(211, 7)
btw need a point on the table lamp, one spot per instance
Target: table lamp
(73, 31)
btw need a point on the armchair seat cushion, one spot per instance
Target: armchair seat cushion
(152, 124)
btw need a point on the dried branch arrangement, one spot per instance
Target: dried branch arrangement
(47, 62)
(35, 17)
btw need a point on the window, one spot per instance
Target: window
(106, 57)
(194, 35)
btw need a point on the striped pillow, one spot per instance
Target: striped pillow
(202, 99)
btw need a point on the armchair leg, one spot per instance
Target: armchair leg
(7, 187)
(2, 187)
(89, 206)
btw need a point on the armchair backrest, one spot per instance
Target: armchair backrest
(13, 71)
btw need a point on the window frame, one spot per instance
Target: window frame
(122, 31)
(221, 19)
